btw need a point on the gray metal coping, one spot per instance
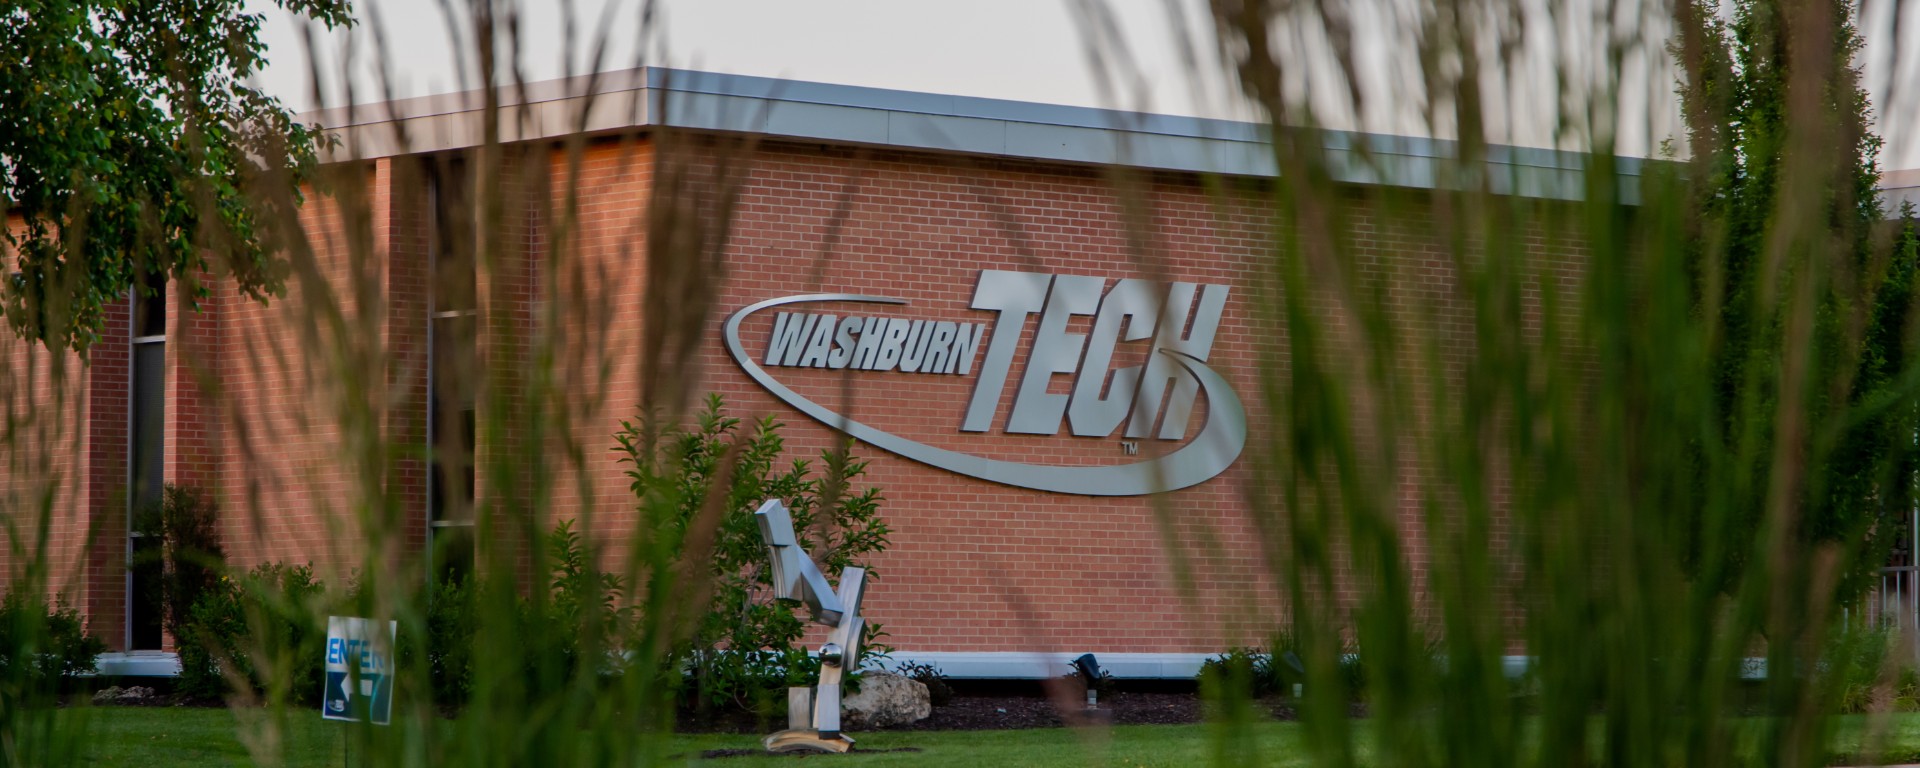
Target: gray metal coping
(1898, 188)
(861, 116)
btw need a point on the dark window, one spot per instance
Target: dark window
(150, 307)
(146, 463)
(149, 422)
(452, 399)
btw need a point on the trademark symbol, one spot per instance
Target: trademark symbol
(1129, 447)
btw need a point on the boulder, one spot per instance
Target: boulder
(886, 699)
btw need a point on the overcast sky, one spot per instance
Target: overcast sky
(1026, 50)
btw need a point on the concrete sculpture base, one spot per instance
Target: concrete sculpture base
(806, 740)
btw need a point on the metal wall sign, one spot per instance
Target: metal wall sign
(359, 670)
(1152, 400)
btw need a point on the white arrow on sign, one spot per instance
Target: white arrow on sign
(345, 693)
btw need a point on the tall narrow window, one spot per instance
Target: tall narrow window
(452, 327)
(146, 462)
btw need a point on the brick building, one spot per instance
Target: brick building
(989, 388)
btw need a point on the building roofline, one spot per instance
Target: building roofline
(652, 97)
(1898, 188)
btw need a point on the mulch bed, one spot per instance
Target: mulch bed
(976, 706)
(991, 713)
(1000, 707)
(1008, 705)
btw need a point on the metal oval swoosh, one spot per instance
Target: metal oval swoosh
(1207, 455)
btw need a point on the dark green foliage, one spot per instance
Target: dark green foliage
(1105, 684)
(1863, 489)
(212, 634)
(41, 642)
(42, 646)
(581, 601)
(451, 623)
(135, 146)
(743, 650)
(1873, 673)
(575, 630)
(1248, 672)
(580, 595)
(1242, 673)
(191, 558)
(261, 631)
(939, 691)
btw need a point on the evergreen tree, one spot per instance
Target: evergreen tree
(1861, 492)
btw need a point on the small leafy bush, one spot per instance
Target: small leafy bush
(1105, 685)
(189, 528)
(1871, 674)
(261, 630)
(452, 622)
(180, 558)
(580, 595)
(1258, 673)
(1246, 673)
(42, 643)
(745, 648)
(581, 617)
(939, 691)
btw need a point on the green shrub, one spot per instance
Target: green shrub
(194, 559)
(939, 691)
(451, 624)
(261, 630)
(672, 468)
(1247, 673)
(1870, 674)
(1250, 672)
(582, 614)
(41, 643)
(581, 596)
(1105, 685)
(178, 558)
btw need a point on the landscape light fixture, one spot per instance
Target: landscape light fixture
(1089, 669)
(1292, 660)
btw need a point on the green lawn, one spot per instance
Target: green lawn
(213, 737)
(138, 736)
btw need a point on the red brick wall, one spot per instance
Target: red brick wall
(973, 566)
(596, 262)
(63, 455)
(976, 566)
(321, 383)
(108, 417)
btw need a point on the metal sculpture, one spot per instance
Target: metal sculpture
(813, 714)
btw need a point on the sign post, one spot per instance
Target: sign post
(359, 670)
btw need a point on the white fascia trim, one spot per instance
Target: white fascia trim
(856, 116)
(137, 664)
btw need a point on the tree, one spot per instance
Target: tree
(676, 469)
(1742, 137)
(132, 148)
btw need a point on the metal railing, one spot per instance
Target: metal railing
(1895, 601)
